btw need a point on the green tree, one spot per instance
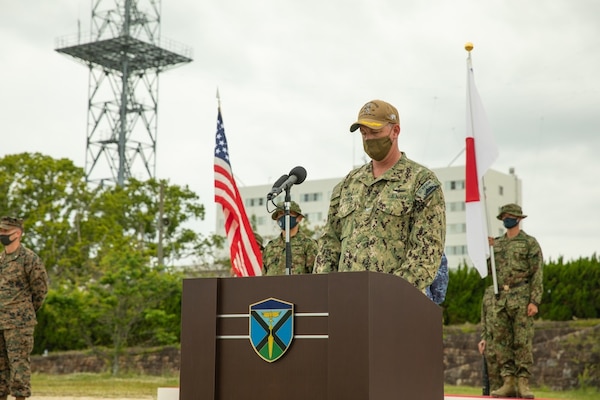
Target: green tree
(571, 290)
(50, 195)
(464, 294)
(100, 248)
(127, 292)
(134, 210)
(68, 222)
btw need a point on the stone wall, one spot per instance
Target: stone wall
(157, 361)
(566, 354)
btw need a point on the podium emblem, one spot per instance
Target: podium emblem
(271, 328)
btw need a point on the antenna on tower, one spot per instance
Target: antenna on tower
(125, 55)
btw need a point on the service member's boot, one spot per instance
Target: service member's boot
(19, 398)
(508, 389)
(523, 388)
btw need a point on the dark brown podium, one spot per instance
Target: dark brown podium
(356, 335)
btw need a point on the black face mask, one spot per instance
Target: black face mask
(510, 222)
(5, 239)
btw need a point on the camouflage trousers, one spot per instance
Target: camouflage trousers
(513, 334)
(16, 346)
(494, 372)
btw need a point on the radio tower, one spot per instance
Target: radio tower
(124, 54)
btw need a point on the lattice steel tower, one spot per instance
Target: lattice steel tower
(125, 55)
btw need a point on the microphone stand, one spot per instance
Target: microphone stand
(288, 246)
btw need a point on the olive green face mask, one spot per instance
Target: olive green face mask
(378, 148)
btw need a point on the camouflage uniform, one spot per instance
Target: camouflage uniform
(304, 250)
(519, 264)
(487, 328)
(437, 290)
(24, 285)
(395, 223)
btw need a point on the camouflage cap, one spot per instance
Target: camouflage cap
(376, 114)
(512, 209)
(294, 207)
(11, 222)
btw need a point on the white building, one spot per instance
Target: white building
(313, 197)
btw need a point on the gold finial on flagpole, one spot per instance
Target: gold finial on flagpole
(468, 46)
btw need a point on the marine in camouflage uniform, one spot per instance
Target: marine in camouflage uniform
(486, 345)
(388, 215)
(23, 288)
(303, 248)
(519, 262)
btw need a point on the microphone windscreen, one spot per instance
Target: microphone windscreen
(299, 173)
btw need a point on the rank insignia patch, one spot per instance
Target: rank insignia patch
(271, 328)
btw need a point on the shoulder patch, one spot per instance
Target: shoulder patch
(426, 190)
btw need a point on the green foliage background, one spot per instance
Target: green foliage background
(110, 291)
(571, 291)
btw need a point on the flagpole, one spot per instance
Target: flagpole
(492, 258)
(468, 48)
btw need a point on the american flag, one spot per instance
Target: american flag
(246, 258)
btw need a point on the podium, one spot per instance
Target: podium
(356, 336)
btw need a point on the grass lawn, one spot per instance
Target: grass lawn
(105, 385)
(100, 385)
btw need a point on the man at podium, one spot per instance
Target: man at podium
(387, 215)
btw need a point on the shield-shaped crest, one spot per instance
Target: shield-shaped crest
(271, 328)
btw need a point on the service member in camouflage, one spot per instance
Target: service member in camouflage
(388, 215)
(304, 248)
(23, 288)
(486, 344)
(519, 261)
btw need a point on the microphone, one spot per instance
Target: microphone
(276, 186)
(297, 176)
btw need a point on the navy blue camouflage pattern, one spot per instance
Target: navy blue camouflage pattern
(438, 288)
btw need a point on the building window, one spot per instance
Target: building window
(255, 202)
(456, 250)
(307, 197)
(314, 217)
(456, 206)
(457, 228)
(455, 185)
